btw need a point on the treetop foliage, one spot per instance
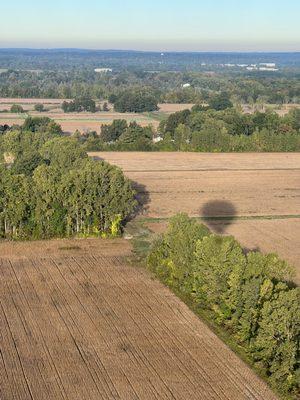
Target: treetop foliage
(136, 101)
(249, 295)
(79, 104)
(50, 188)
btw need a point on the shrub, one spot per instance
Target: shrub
(16, 108)
(39, 107)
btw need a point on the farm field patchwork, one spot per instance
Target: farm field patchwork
(84, 121)
(70, 122)
(78, 322)
(257, 195)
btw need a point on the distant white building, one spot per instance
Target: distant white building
(103, 70)
(268, 65)
(157, 139)
(267, 69)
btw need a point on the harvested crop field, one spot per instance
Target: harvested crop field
(79, 121)
(170, 108)
(257, 195)
(70, 122)
(77, 322)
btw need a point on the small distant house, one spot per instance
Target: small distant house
(268, 65)
(157, 139)
(102, 70)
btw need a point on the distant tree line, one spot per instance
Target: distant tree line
(205, 129)
(228, 130)
(50, 188)
(249, 295)
(253, 89)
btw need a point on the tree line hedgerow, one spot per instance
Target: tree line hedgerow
(203, 129)
(250, 295)
(50, 188)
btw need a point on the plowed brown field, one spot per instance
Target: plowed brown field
(263, 188)
(78, 323)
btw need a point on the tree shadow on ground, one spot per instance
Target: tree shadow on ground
(218, 215)
(142, 198)
(253, 250)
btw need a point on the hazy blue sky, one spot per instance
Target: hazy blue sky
(216, 25)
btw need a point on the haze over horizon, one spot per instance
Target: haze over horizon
(231, 25)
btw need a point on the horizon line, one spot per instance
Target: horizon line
(150, 51)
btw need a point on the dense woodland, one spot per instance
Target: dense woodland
(255, 88)
(249, 295)
(50, 188)
(120, 60)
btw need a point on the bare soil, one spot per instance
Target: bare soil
(169, 108)
(262, 188)
(81, 324)
(83, 122)
(78, 121)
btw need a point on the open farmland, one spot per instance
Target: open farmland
(83, 121)
(255, 197)
(77, 322)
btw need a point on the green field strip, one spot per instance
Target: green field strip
(227, 218)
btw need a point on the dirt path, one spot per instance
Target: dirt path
(82, 325)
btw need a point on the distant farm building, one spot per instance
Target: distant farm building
(103, 70)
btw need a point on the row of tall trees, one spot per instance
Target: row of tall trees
(225, 130)
(204, 129)
(50, 188)
(247, 294)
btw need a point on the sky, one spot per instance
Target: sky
(160, 25)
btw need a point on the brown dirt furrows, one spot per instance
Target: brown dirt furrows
(251, 193)
(9, 100)
(180, 161)
(63, 247)
(256, 185)
(82, 326)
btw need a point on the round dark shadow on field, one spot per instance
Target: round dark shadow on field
(218, 215)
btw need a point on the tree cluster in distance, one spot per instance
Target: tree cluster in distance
(119, 136)
(229, 130)
(50, 188)
(134, 101)
(17, 109)
(204, 129)
(249, 295)
(79, 105)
